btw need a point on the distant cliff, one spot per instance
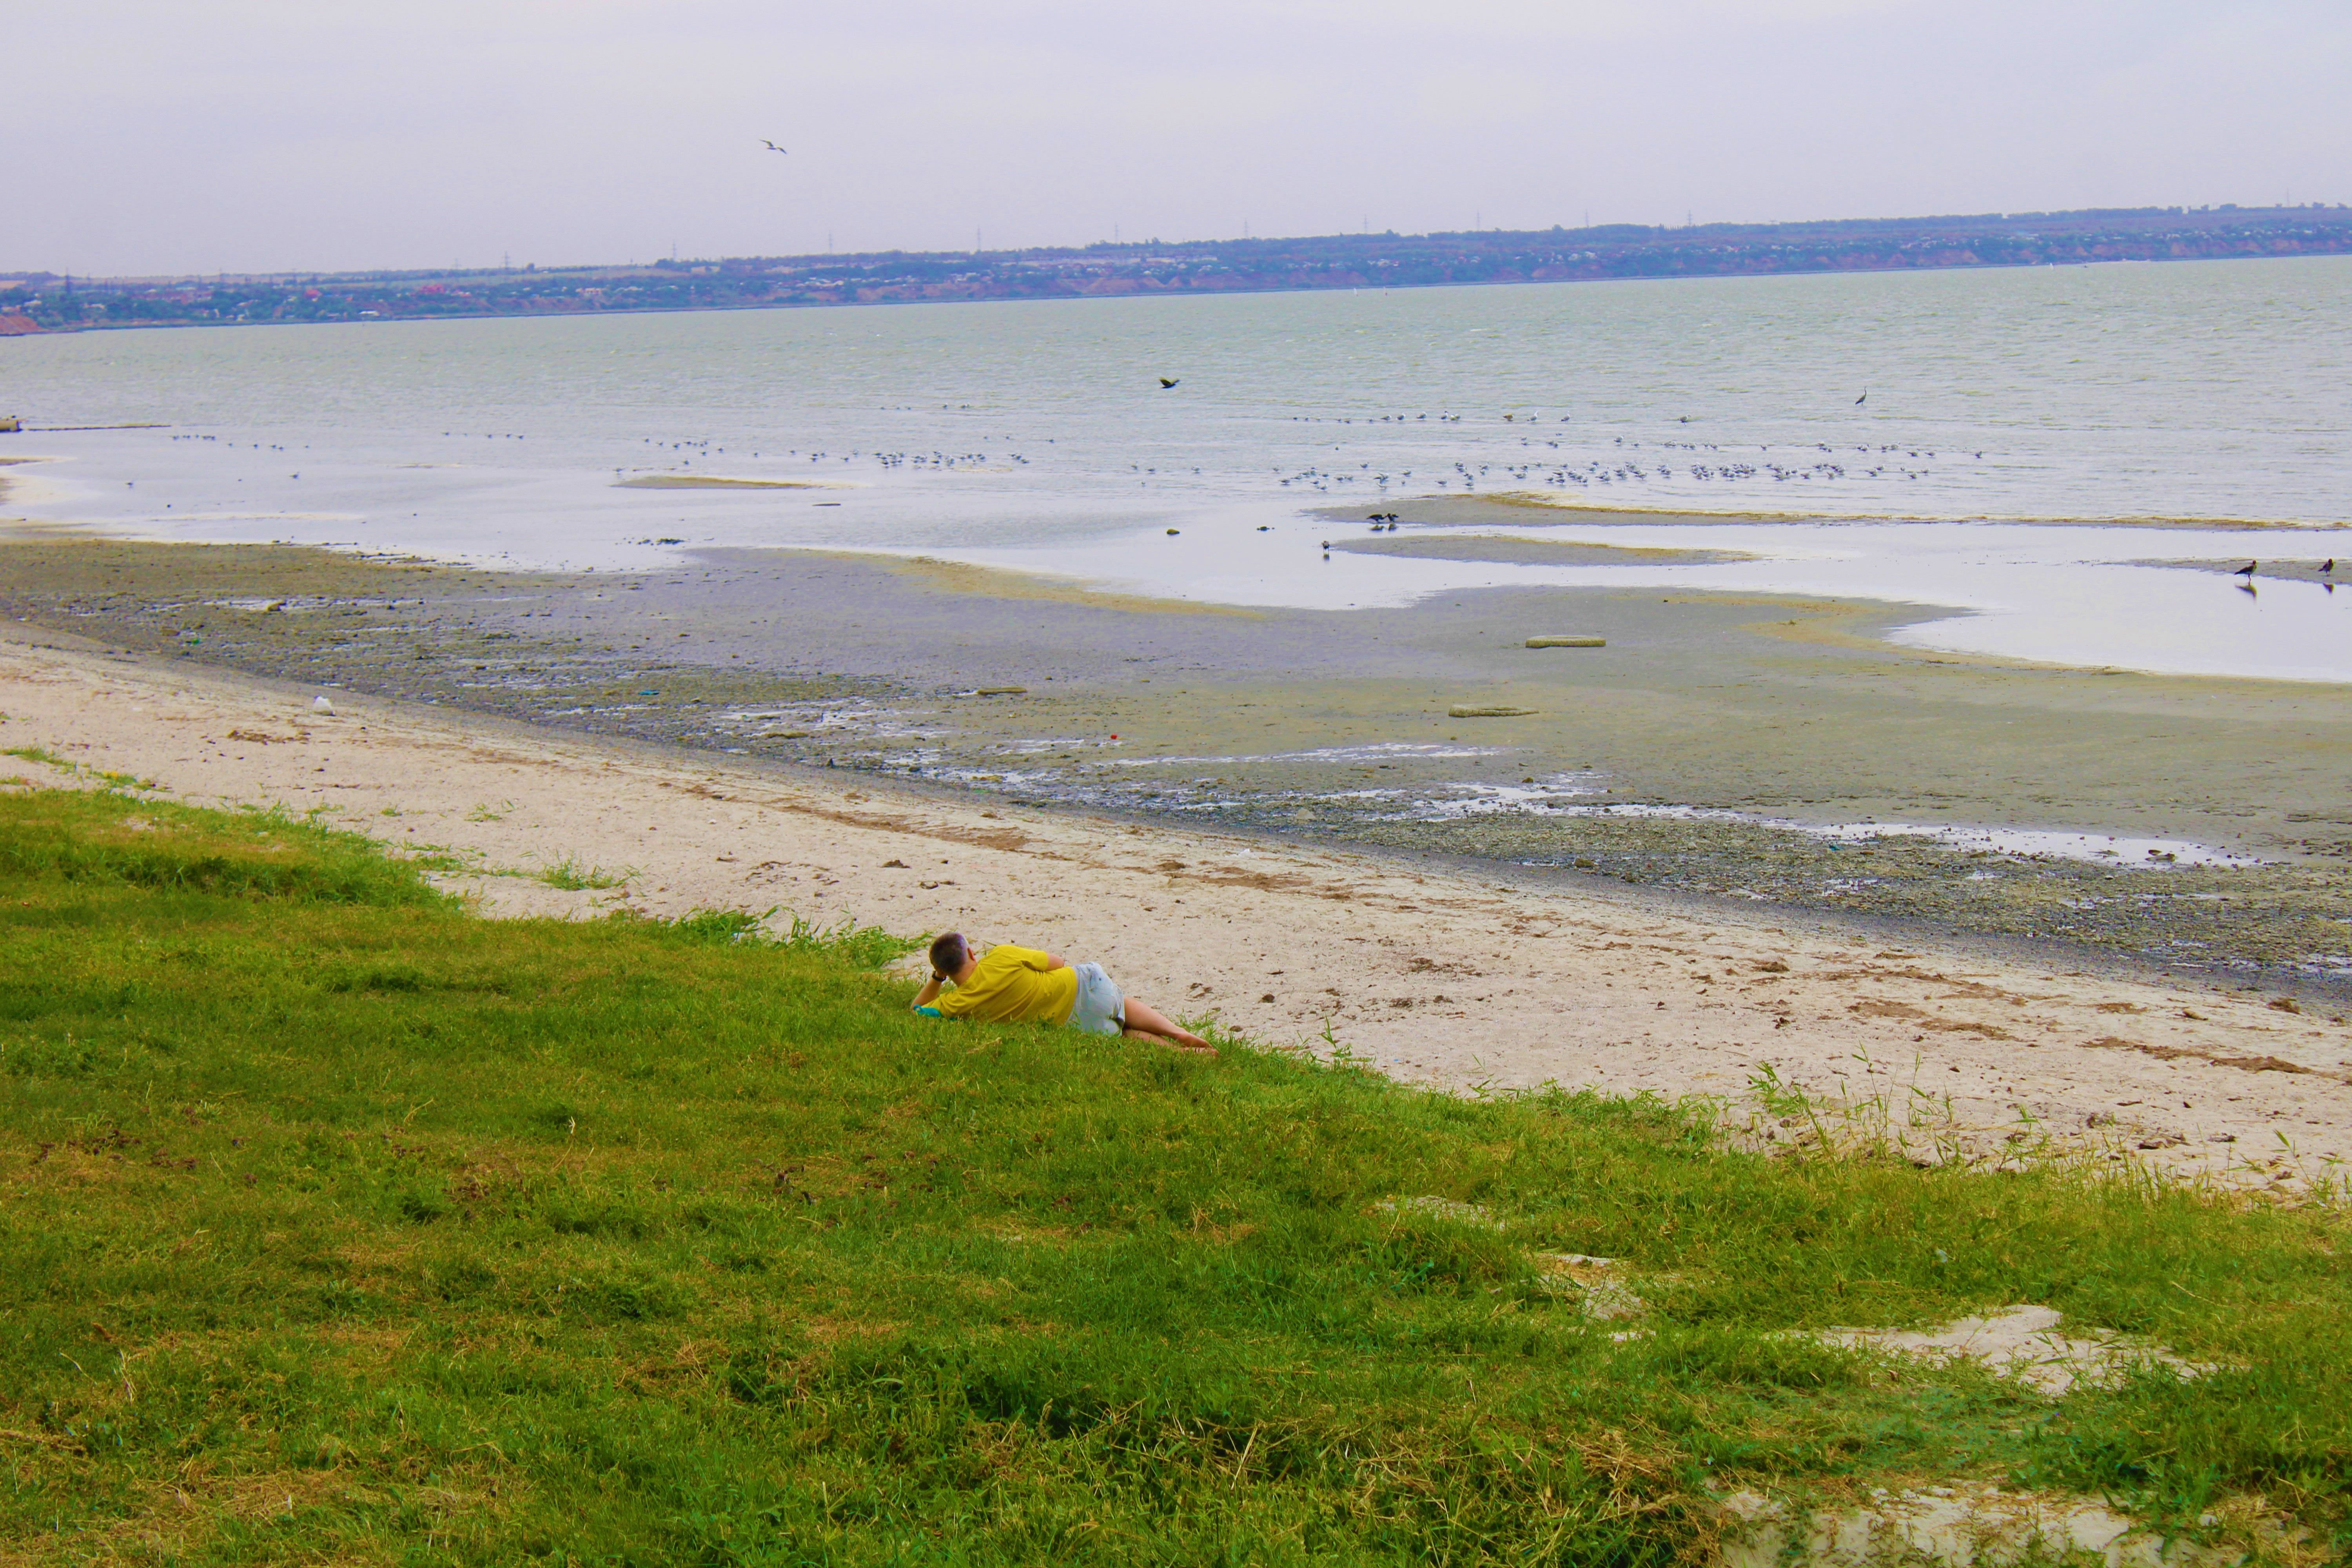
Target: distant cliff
(52, 303)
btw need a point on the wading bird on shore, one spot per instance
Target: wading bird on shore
(2247, 570)
(1864, 398)
(2328, 567)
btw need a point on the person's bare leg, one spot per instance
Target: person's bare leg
(1149, 1024)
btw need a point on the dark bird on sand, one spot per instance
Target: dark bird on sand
(2247, 570)
(770, 146)
(1165, 382)
(2328, 566)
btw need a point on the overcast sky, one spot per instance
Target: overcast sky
(253, 135)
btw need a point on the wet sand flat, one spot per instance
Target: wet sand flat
(1335, 727)
(1530, 552)
(1446, 978)
(1529, 509)
(713, 482)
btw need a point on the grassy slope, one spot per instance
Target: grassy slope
(336, 1222)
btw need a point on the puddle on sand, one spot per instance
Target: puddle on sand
(1566, 795)
(1432, 751)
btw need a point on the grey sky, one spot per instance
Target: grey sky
(148, 138)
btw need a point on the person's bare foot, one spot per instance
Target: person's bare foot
(1177, 1039)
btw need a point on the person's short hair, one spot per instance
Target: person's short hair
(950, 953)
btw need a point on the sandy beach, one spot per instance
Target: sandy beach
(1451, 979)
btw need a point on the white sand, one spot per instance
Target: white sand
(1446, 979)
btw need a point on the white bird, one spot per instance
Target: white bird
(770, 146)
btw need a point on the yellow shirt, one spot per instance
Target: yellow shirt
(1013, 985)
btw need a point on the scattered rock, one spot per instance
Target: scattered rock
(1954, 1525)
(1444, 1208)
(2021, 1342)
(1599, 1281)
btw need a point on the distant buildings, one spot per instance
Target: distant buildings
(1328, 261)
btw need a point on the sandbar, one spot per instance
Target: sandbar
(1510, 551)
(1001, 583)
(713, 482)
(1526, 506)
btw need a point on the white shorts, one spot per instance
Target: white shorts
(1101, 1008)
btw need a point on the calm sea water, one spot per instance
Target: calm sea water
(1877, 436)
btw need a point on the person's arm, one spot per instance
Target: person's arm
(929, 994)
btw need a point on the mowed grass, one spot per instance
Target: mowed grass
(337, 1224)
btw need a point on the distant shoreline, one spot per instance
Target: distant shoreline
(753, 307)
(1331, 263)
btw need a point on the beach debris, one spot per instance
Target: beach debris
(1488, 710)
(1567, 640)
(2022, 1341)
(320, 705)
(1001, 691)
(1950, 1524)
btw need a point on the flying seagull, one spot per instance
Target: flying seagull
(1165, 384)
(770, 146)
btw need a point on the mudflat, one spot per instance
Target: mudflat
(1686, 754)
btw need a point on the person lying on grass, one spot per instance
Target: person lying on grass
(1021, 986)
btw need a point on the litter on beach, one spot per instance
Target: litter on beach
(1567, 641)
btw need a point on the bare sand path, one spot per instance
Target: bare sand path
(1445, 979)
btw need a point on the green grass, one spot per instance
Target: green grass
(341, 1225)
(575, 876)
(111, 779)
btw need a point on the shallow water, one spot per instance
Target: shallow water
(1037, 435)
